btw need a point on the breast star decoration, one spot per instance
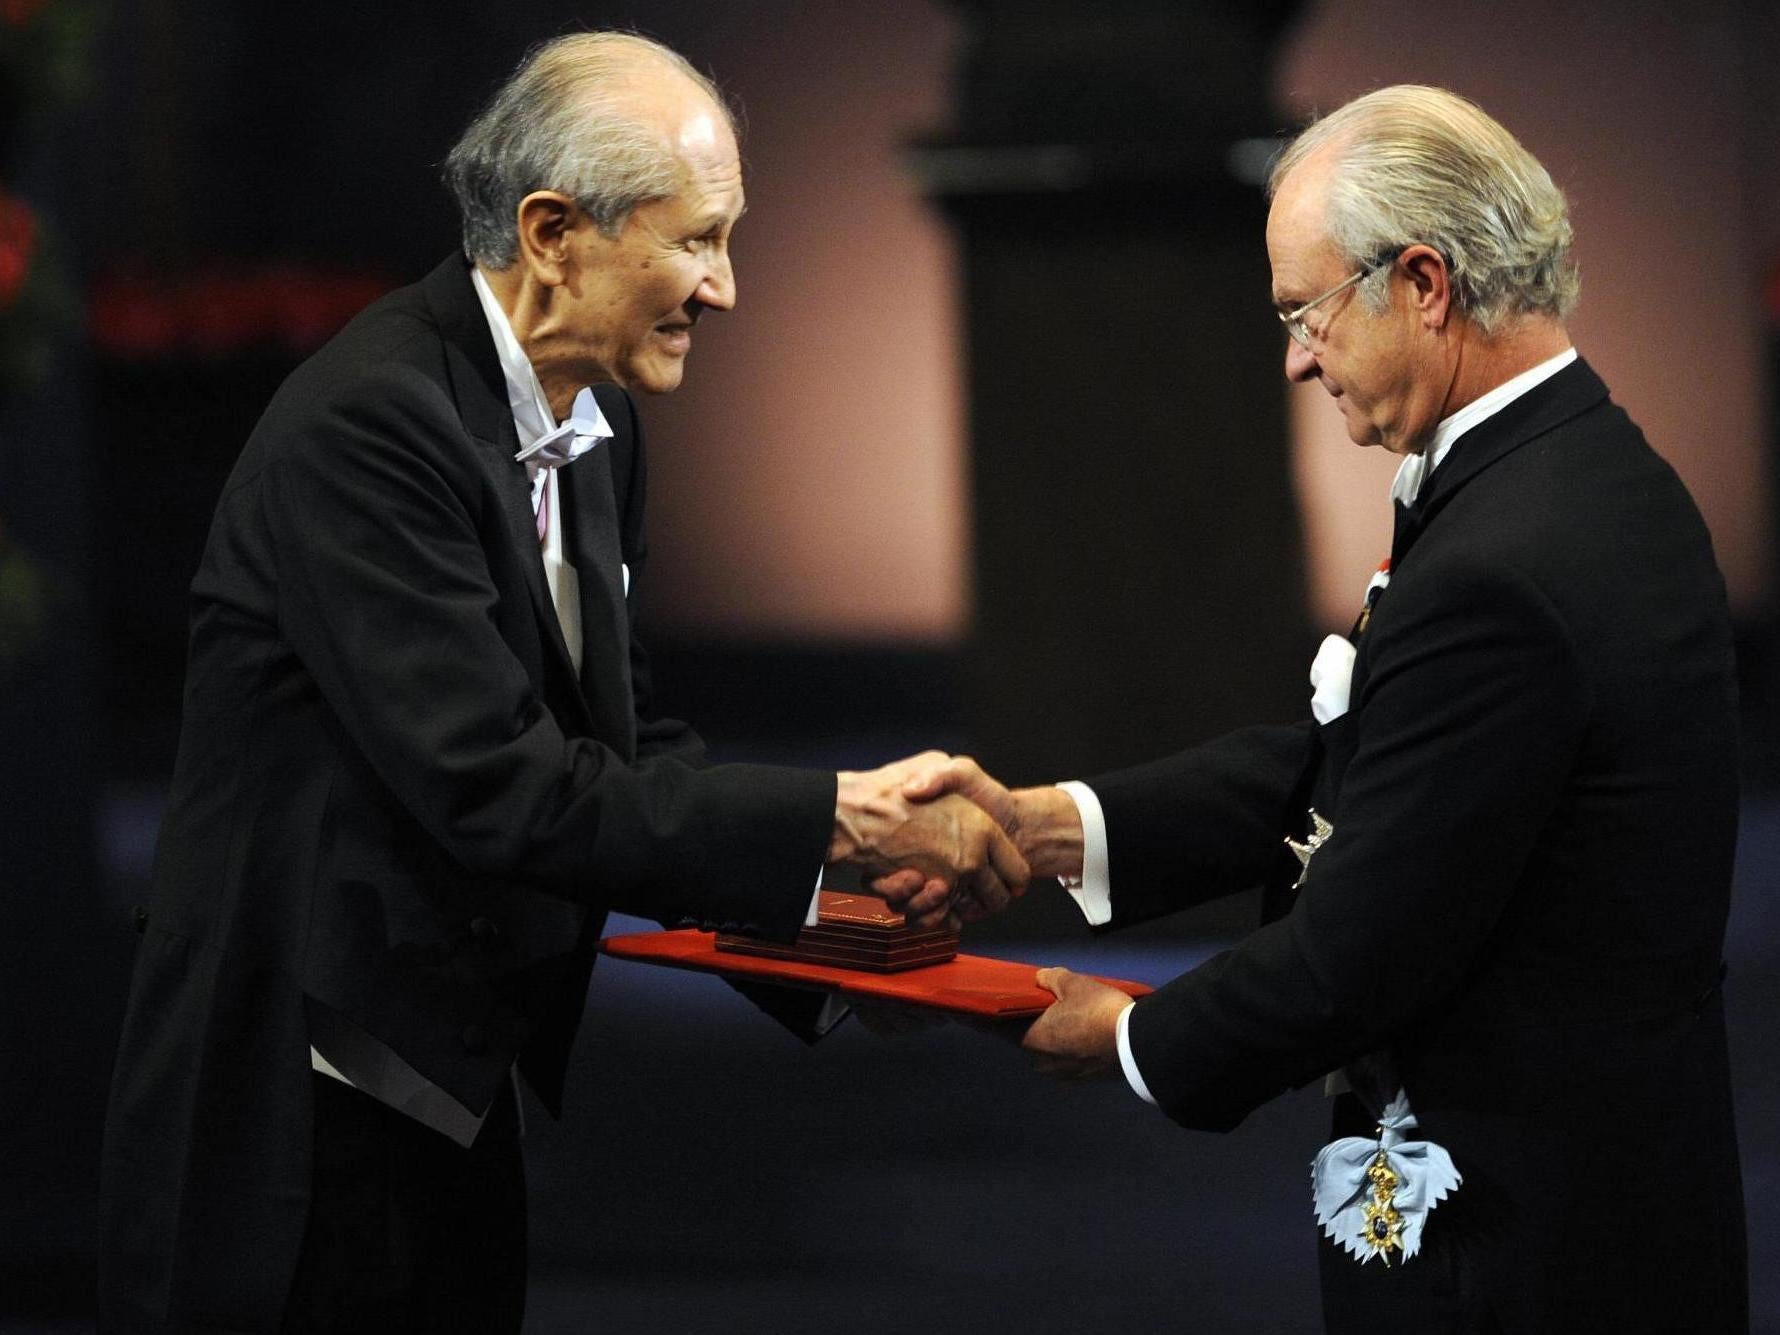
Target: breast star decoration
(1320, 830)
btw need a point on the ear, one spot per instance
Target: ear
(1430, 284)
(546, 219)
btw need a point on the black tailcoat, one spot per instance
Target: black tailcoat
(1523, 901)
(395, 797)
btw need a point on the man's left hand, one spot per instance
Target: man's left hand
(1079, 1035)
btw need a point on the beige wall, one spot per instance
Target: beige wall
(809, 480)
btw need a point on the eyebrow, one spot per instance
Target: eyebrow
(699, 226)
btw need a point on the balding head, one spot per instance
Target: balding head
(607, 118)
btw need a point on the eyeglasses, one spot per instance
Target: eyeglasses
(1293, 319)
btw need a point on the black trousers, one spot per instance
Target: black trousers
(407, 1230)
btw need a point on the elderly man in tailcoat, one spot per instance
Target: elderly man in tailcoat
(421, 759)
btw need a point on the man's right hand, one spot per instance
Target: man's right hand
(943, 859)
(1044, 822)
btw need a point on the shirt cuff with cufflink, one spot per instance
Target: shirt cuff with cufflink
(1092, 892)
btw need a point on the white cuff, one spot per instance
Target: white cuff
(810, 919)
(1092, 890)
(1128, 1063)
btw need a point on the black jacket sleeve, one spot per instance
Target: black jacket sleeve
(1203, 823)
(1468, 724)
(382, 528)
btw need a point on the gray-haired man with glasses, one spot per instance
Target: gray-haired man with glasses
(1497, 857)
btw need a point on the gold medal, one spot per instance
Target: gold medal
(1383, 1229)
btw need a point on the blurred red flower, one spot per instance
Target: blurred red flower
(223, 311)
(18, 239)
(18, 12)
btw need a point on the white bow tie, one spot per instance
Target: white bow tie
(585, 427)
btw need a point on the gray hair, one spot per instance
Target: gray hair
(1421, 165)
(567, 119)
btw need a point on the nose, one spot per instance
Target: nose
(717, 288)
(1300, 362)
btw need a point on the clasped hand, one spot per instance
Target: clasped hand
(944, 860)
(1042, 824)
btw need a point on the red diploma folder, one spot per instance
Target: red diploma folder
(969, 984)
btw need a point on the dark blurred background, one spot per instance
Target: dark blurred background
(994, 455)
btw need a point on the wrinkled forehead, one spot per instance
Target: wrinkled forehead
(703, 132)
(1298, 242)
(664, 98)
(695, 131)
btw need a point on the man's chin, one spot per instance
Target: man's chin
(1362, 431)
(658, 375)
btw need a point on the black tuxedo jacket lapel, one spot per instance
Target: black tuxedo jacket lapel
(596, 550)
(480, 390)
(1545, 408)
(1569, 393)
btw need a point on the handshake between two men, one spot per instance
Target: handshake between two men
(945, 843)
